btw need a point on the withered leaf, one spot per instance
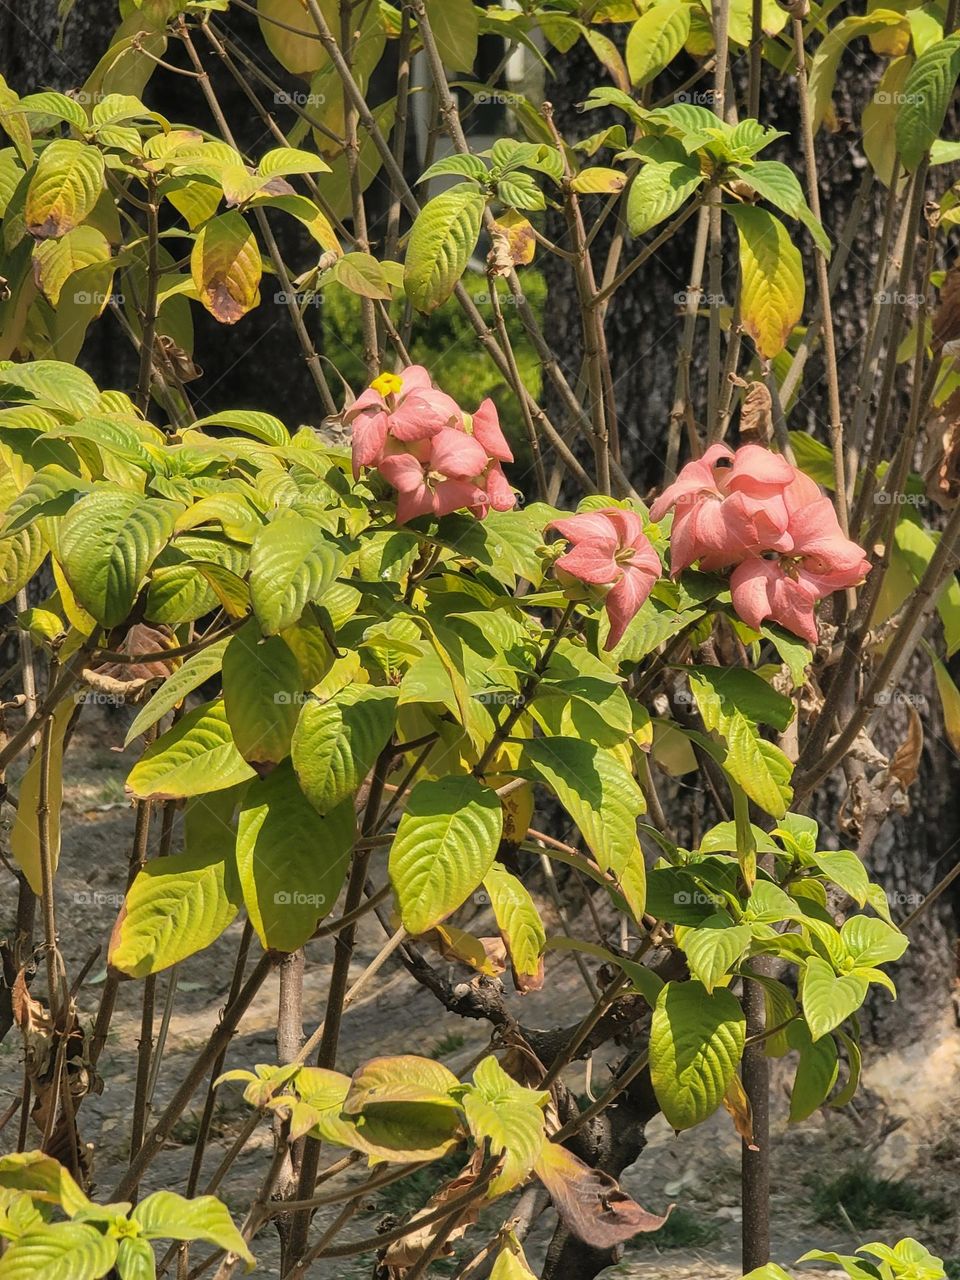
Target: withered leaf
(756, 415)
(941, 456)
(738, 1105)
(946, 318)
(590, 1202)
(905, 765)
(409, 1249)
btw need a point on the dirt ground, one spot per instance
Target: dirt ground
(902, 1125)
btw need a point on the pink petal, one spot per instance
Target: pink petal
(590, 563)
(757, 471)
(365, 401)
(369, 437)
(411, 505)
(628, 525)
(457, 455)
(499, 491)
(696, 478)
(414, 378)
(792, 607)
(720, 538)
(451, 495)
(625, 599)
(591, 525)
(423, 413)
(751, 586)
(404, 472)
(486, 429)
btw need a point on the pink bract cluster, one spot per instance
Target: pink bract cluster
(756, 512)
(610, 552)
(438, 458)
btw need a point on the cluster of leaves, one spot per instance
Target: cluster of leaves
(92, 1239)
(325, 693)
(344, 646)
(906, 1260)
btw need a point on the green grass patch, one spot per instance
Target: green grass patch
(682, 1230)
(867, 1200)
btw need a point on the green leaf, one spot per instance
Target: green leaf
(226, 268)
(51, 384)
(107, 543)
(772, 291)
(21, 552)
(655, 39)
(511, 1264)
(731, 689)
(197, 670)
(336, 743)
(757, 766)
(467, 166)
(399, 1109)
(599, 181)
(781, 187)
(696, 1042)
(823, 70)
(714, 947)
(197, 755)
(845, 870)
(870, 942)
(252, 422)
(167, 1216)
(60, 1251)
(510, 1118)
(604, 801)
(135, 1259)
(878, 122)
(56, 106)
(445, 844)
(455, 26)
(817, 1071)
(175, 907)
(57, 260)
(927, 92)
(65, 185)
(261, 694)
(443, 237)
(520, 925)
(291, 861)
(658, 191)
(292, 562)
(828, 999)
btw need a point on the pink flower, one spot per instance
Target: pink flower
(784, 582)
(485, 427)
(724, 504)
(437, 458)
(405, 407)
(610, 551)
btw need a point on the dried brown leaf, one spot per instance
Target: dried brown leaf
(590, 1202)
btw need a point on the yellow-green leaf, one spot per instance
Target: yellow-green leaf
(226, 267)
(444, 236)
(772, 289)
(656, 38)
(65, 186)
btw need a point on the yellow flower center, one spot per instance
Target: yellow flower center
(388, 384)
